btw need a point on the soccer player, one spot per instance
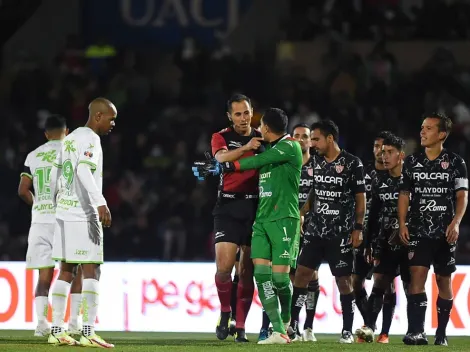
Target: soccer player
(80, 215)
(234, 214)
(36, 175)
(363, 267)
(390, 257)
(437, 181)
(277, 225)
(337, 220)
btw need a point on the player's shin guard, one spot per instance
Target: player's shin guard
(60, 293)
(374, 306)
(348, 306)
(419, 303)
(268, 297)
(224, 289)
(90, 299)
(361, 301)
(311, 303)
(233, 296)
(42, 306)
(444, 307)
(298, 301)
(245, 297)
(390, 301)
(284, 291)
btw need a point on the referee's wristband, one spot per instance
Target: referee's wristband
(358, 226)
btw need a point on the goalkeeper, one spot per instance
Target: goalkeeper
(277, 225)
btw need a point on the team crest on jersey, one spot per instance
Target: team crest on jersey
(444, 164)
(310, 171)
(339, 168)
(88, 154)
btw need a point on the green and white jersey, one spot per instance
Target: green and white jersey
(38, 166)
(73, 201)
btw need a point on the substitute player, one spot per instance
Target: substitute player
(277, 224)
(81, 212)
(36, 175)
(362, 266)
(337, 202)
(390, 257)
(437, 181)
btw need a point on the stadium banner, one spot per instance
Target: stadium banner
(181, 297)
(168, 22)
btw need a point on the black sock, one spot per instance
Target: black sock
(444, 307)
(361, 302)
(311, 304)
(348, 306)
(233, 297)
(390, 301)
(299, 296)
(409, 315)
(374, 306)
(419, 303)
(266, 321)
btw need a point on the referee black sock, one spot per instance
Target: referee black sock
(348, 305)
(444, 307)
(374, 306)
(419, 303)
(233, 296)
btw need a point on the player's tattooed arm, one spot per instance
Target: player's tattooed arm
(308, 205)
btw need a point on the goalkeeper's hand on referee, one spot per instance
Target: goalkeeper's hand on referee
(210, 167)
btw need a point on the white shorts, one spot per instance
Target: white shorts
(78, 242)
(39, 253)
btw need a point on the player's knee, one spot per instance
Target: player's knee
(91, 271)
(381, 282)
(42, 287)
(444, 284)
(281, 280)
(344, 284)
(222, 276)
(302, 276)
(313, 286)
(315, 275)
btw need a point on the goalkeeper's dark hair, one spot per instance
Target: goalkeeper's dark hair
(327, 127)
(55, 122)
(383, 135)
(276, 119)
(395, 141)
(237, 98)
(445, 123)
(300, 125)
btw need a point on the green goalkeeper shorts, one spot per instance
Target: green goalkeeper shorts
(277, 241)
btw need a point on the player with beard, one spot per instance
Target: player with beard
(234, 214)
(437, 181)
(301, 133)
(363, 266)
(390, 257)
(337, 202)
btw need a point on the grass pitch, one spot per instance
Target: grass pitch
(19, 341)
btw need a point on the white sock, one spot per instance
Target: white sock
(60, 293)
(75, 305)
(42, 306)
(90, 297)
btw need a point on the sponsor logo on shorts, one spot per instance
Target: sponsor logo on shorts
(341, 264)
(451, 261)
(219, 234)
(285, 255)
(81, 252)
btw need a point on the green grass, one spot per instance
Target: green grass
(19, 341)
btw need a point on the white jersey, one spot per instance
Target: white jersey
(73, 201)
(38, 167)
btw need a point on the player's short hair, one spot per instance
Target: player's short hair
(445, 123)
(383, 135)
(237, 98)
(395, 141)
(300, 125)
(55, 122)
(326, 128)
(276, 119)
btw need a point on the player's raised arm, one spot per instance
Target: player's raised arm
(26, 182)
(406, 185)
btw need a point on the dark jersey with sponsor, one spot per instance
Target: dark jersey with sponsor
(336, 185)
(370, 174)
(234, 186)
(306, 181)
(382, 227)
(432, 184)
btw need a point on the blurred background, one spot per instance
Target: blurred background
(170, 65)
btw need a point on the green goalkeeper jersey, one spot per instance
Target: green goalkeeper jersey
(280, 168)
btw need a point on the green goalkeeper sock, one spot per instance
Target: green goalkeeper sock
(268, 296)
(284, 291)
